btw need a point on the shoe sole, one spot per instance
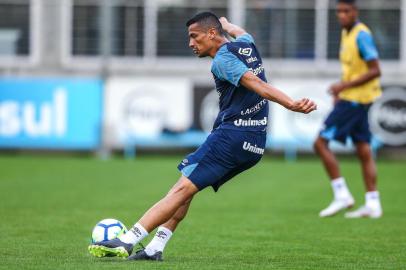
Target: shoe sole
(144, 259)
(335, 213)
(364, 216)
(102, 251)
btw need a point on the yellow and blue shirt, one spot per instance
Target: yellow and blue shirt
(358, 48)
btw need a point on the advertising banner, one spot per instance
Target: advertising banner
(170, 112)
(50, 113)
(289, 130)
(205, 107)
(388, 116)
(142, 109)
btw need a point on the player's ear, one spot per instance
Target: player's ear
(212, 33)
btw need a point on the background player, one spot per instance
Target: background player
(236, 143)
(353, 96)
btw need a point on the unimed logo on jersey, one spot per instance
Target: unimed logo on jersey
(253, 148)
(245, 51)
(250, 122)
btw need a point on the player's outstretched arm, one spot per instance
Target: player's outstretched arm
(232, 29)
(267, 91)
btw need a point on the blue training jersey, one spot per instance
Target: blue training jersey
(240, 108)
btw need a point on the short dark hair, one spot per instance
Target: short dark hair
(207, 20)
(351, 2)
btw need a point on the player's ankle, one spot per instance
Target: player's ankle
(159, 241)
(134, 235)
(372, 200)
(340, 189)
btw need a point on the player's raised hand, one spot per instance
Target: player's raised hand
(225, 24)
(223, 21)
(232, 29)
(304, 105)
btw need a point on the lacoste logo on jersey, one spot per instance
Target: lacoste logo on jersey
(245, 51)
(256, 108)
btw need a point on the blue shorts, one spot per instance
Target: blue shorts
(348, 119)
(223, 155)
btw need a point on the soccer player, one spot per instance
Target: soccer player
(353, 96)
(236, 143)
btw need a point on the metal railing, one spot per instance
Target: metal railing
(135, 35)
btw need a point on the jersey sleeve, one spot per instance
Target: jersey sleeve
(366, 46)
(228, 67)
(245, 38)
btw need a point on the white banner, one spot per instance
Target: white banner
(294, 130)
(144, 107)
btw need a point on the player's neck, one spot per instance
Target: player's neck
(351, 26)
(219, 42)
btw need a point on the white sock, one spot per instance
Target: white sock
(372, 200)
(159, 241)
(340, 188)
(134, 235)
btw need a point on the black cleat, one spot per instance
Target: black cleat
(141, 255)
(111, 248)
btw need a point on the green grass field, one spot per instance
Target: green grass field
(266, 218)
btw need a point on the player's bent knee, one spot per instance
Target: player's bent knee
(184, 188)
(364, 153)
(188, 185)
(364, 158)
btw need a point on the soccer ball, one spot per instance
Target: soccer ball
(107, 229)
